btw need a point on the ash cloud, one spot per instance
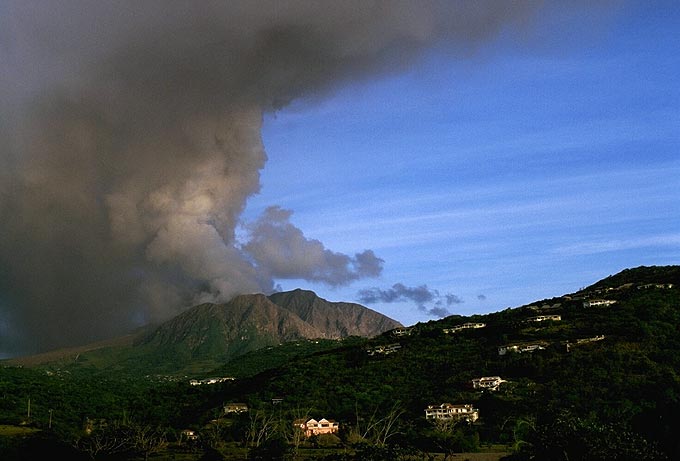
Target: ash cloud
(280, 250)
(130, 143)
(426, 299)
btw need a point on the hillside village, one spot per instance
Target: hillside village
(466, 412)
(447, 386)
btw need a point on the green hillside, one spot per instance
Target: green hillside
(591, 375)
(600, 370)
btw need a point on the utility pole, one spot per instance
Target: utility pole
(28, 412)
(49, 426)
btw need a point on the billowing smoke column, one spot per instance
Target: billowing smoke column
(130, 143)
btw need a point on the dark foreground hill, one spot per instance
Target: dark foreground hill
(591, 375)
(594, 374)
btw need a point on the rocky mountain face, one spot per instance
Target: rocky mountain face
(335, 319)
(281, 317)
(244, 318)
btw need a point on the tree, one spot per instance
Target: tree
(293, 434)
(569, 437)
(377, 430)
(106, 440)
(147, 440)
(122, 437)
(274, 448)
(212, 435)
(444, 435)
(260, 428)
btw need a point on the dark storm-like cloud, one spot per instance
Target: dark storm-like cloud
(426, 299)
(130, 143)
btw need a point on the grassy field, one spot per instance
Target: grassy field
(16, 431)
(178, 453)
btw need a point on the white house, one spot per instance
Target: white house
(199, 382)
(313, 427)
(590, 340)
(598, 303)
(545, 307)
(384, 350)
(519, 348)
(402, 331)
(235, 408)
(188, 434)
(543, 318)
(663, 286)
(464, 326)
(448, 411)
(580, 341)
(488, 382)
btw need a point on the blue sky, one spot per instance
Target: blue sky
(536, 165)
(427, 158)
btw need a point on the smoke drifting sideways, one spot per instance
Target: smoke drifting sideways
(130, 143)
(426, 299)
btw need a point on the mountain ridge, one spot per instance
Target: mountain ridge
(337, 319)
(208, 335)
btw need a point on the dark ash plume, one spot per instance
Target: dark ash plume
(130, 142)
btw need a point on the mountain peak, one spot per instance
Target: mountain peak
(336, 319)
(210, 332)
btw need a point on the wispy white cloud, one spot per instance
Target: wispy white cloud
(604, 246)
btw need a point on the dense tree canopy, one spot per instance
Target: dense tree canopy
(604, 384)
